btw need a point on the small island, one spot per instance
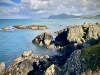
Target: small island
(32, 27)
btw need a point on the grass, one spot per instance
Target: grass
(92, 57)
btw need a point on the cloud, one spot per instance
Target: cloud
(39, 8)
(80, 6)
(8, 2)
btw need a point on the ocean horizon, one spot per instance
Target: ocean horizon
(13, 43)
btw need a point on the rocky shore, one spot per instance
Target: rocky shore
(33, 27)
(79, 46)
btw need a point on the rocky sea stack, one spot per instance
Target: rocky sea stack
(79, 48)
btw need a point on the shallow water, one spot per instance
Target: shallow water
(14, 43)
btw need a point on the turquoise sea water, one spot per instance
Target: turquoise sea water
(14, 43)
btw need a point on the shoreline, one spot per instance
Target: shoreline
(75, 38)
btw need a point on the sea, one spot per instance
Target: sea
(13, 43)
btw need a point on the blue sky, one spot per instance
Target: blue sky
(44, 8)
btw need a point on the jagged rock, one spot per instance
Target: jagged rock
(74, 33)
(52, 70)
(92, 34)
(73, 65)
(2, 66)
(6, 29)
(89, 33)
(43, 39)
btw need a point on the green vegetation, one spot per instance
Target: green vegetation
(92, 57)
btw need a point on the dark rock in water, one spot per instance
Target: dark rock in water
(6, 29)
(43, 39)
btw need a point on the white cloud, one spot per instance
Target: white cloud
(11, 10)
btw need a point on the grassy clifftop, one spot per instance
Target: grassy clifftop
(92, 57)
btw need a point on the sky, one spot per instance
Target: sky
(16, 9)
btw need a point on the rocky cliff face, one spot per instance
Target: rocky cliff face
(88, 33)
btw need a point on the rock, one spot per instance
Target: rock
(52, 70)
(28, 53)
(6, 29)
(37, 27)
(85, 45)
(74, 33)
(41, 43)
(92, 34)
(47, 56)
(50, 46)
(43, 39)
(20, 27)
(2, 66)
(72, 65)
(33, 27)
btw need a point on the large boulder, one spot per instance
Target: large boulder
(43, 39)
(71, 34)
(92, 34)
(74, 33)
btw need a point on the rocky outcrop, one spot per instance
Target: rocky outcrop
(43, 39)
(88, 33)
(28, 64)
(6, 29)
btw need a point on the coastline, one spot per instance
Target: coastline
(75, 38)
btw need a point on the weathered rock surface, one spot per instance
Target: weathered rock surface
(43, 39)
